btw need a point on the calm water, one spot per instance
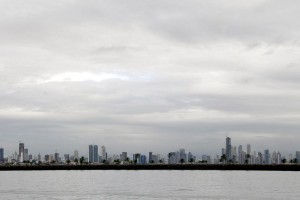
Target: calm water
(149, 185)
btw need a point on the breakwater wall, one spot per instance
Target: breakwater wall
(153, 167)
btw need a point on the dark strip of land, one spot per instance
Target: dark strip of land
(153, 167)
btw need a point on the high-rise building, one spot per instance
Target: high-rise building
(39, 158)
(47, 158)
(143, 159)
(254, 158)
(26, 156)
(76, 155)
(208, 159)
(240, 149)
(150, 158)
(228, 149)
(66, 157)
(56, 157)
(259, 158)
(91, 153)
(21, 151)
(136, 158)
(103, 153)
(172, 158)
(279, 158)
(191, 157)
(298, 156)
(123, 156)
(290, 157)
(267, 157)
(1, 155)
(240, 155)
(51, 158)
(155, 158)
(182, 155)
(234, 153)
(248, 149)
(96, 155)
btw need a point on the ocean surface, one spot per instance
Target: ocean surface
(146, 185)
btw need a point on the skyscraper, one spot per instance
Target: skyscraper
(228, 149)
(96, 155)
(39, 158)
(103, 153)
(267, 157)
(123, 156)
(150, 157)
(182, 155)
(298, 156)
(91, 153)
(66, 157)
(240, 149)
(248, 149)
(1, 155)
(21, 151)
(47, 158)
(143, 159)
(25, 155)
(56, 157)
(259, 158)
(76, 155)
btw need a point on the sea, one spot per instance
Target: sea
(152, 184)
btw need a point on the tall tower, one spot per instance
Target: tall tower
(26, 157)
(228, 149)
(91, 153)
(267, 157)
(248, 149)
(96, 156)
(76, 155)
(21, 151)
(103, 153)
(1, 155)
(56, 157)
(150, 157)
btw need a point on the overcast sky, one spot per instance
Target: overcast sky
(143, 76)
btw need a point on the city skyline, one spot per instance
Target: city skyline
(149, 75)
(230, 154)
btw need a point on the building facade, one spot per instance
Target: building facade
(228, 149)
(93, 154)
(1, 155)
(21, 152)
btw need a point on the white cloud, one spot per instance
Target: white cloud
(83, 76)
(117, 69)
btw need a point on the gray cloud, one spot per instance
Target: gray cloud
(148, 76)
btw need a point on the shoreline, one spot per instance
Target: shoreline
(221, 167)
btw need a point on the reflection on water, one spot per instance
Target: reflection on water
(146, 185)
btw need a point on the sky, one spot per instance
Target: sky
(149, 75)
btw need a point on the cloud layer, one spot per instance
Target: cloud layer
(149, 76)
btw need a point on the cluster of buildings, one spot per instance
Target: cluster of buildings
(94, 156)
(229, 155)
(236, 155)
(23, 156)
